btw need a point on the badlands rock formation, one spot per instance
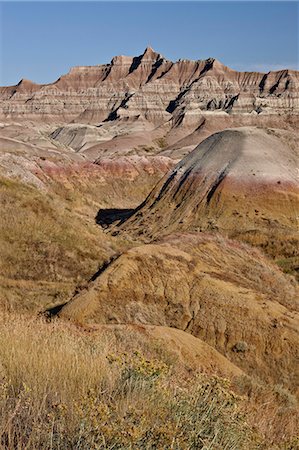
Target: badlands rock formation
(32, 156)
(240, 181)
(89, 148)
(151, 86)
(156, 98)
(221, 291)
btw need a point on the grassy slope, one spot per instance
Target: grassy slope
(49, 241)
(46, 246)
(87, 391)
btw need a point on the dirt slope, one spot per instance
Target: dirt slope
(189, 352)
(242, 182)
(223, 292)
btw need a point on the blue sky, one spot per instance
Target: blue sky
(42, 40)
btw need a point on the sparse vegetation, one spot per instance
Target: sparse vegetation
(62, 387)
(162, 142)
(240, 347)
(289, 265)
(47, 246)
(281, 247)
(40, 239)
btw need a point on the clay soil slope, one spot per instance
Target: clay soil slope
(242, 182)
(221, 291)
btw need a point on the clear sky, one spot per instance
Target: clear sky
(42, 40)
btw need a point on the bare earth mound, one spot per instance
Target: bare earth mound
(191, 353)
(223, 292)
(242, 182)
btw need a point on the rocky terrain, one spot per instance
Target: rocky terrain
(153, 205)
(155, 100)
(152, 87)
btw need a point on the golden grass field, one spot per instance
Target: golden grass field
(63, 387)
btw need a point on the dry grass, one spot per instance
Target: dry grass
(40, 239)
(282, 248)
(48, 245)
(49, 240)
(62, 387)
(272, 410)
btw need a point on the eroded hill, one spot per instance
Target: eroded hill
(242, 182)
(105, 225)
(226, 293)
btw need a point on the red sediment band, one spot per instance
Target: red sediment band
(110, 168)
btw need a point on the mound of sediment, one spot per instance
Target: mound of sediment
(238, 181)
(189, 352)
(221, 291)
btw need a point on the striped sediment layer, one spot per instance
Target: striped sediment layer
(236, 181)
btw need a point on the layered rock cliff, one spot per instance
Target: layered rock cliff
(153, 88)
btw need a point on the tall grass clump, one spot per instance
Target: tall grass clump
(64, 388)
